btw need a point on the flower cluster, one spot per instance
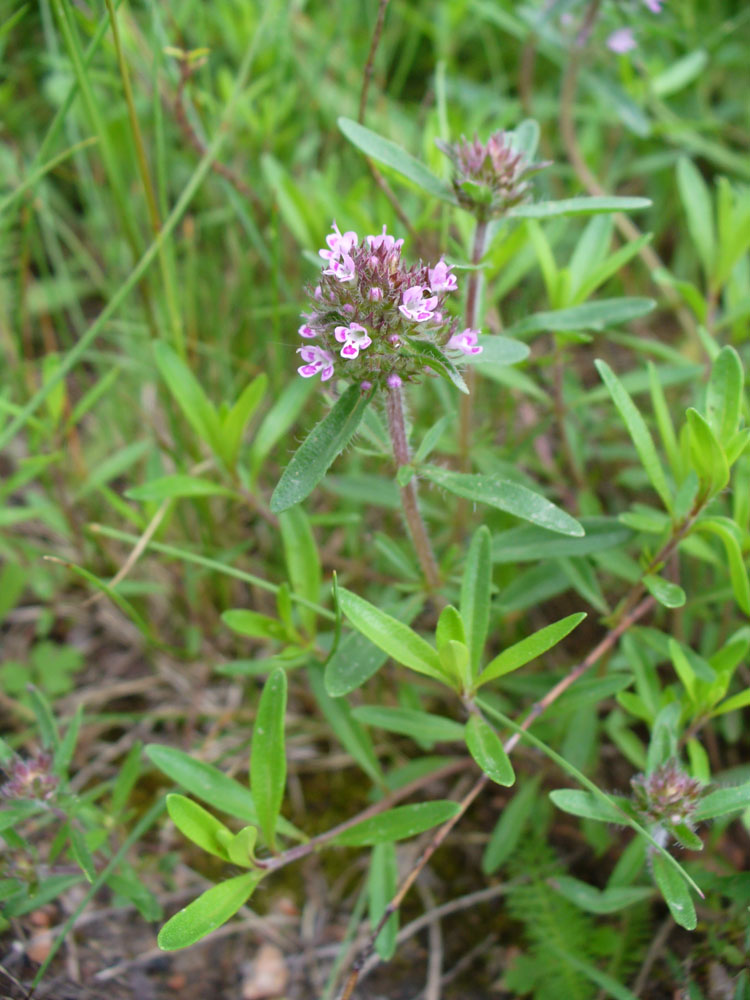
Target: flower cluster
(667, 796)
(380, 321)
(30, 779)
(490, 177)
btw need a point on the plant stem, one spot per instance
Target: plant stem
(419, 536)
(472, 316)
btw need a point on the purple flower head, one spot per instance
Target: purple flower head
(667, 795)
(393, 381)
(622, 40)
(466, 342)
(415, 306)
(654, 5)
(441, 280)
(30, 779)
(373, 315)
(316, 360)
(354, 338)
(489, 177)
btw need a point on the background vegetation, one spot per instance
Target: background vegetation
(167, 175)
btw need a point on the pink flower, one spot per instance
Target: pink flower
(622, 40)
(307, 331)
(441, 280)
(342, 269)
(316, 360)
(339, 243)
(466, 341)
(393, 381)
(384, 240)
(354, 338)
(654, 5)
(375, 294)
(415, 306)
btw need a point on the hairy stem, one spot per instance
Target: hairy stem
(472, 316)
(419, 536)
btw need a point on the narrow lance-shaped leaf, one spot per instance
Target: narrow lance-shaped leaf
(209, 911)
(197, 824)
(391, 155)
(596, 315)
(392, 636)
(707, 455)
(189, 395)
(724, 396)
(577, 206)
(475, 594)
(267, 755)
(302, 561)
(238, 417)
(486, 747)
(507, 496)
(675, 892)
(382, 886)
(316, 453)
(397, 824)
(696, 200)
(638, 431)
(528, 649)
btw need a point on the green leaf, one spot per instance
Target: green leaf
(434, 358)
(670, 595)
(235, 422)
(254, 624)
(450, 626)
(168, 487)
(475, 594)
(410, 722)
(388, 153)
(599, 901)
(724, 395)
(497, 350)
(241, 846)
(527, 543)
(486, 747)
(598, 315)
(392, 636)
(729, 534)
(80, 850)
(707, 455)
(397, 824)
(204, 781)
(638, 431)
(507, 833)
(316, 453)
(382, 884)
(723, 801)
(696, 200)
(209, 911)
(521, 653)
(682, 72)
(353, 737)
(302, 561)
(507, 496)
(577, 206)
(267, 755)
(198, 825)
(675, 892)
(586, 805)
(189, 396)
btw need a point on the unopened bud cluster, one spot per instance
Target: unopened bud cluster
(667, 796)
(30, 779)
(372, 314)
(489, 177)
